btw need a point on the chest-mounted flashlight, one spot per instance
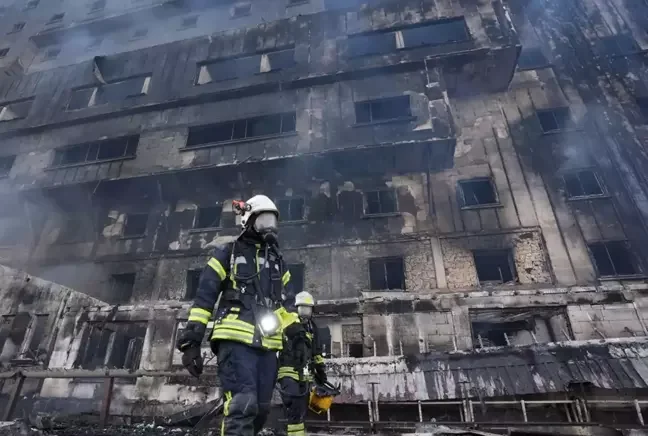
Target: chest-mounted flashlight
(268, 324)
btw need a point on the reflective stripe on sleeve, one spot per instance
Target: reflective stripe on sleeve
(218, 267)
(286, 278)
(199, 315)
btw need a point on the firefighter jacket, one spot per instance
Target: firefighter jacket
(288, 364)
(251, 279)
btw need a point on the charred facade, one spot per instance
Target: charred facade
(461, 186)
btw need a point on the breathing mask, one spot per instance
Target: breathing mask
(305, 311)
(266, 224)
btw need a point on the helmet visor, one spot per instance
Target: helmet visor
(265, 221)
(305, 311)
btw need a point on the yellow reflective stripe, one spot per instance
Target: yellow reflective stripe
(235, 324)
(199, 315)
(318, 358)
(228, 400)
(218, 267)
(309, 336)
(257, 259)
(286, 318)
(296, 427)
(271, 343)
(286, 278)
(230, 335)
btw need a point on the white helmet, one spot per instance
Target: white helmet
(304, 299)
(256, 205)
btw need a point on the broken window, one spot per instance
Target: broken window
(387, 273)
(98, 5)
(193, 280)
(296, 277)
(532, 58)
(613, 258)
(582, 183)
(241, 10)
(208, 217)
(109, 149)
(291, 209)
(56, 18)
(15, 110)
(122, 90)
(139, 33)
(437, 33)
(372, 44)
(552, 120)
(51, 53)
(31, 4)
(380, 202)
(121, 287)
(495, 266)
(73, 229)
(36, 349)
(189, 22)
(17, 27)
(112, 345)
(383, 109)
(241, 129)
(135, 224)
(246, 66)
(352, 340)
(617, 45)
(6, 162)
(13, 331)
(477, 192)
(518, 327)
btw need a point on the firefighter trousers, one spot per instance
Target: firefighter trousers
(248, 376)
(294, 396)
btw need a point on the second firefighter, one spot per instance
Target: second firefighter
(300, 362)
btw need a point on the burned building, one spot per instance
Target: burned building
(461, 185)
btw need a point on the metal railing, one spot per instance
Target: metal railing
(577, 410)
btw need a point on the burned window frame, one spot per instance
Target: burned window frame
(195, 225)
(568, 125)
(27, 349)
(6, 107)
(190, 291)
(535, 59)
(629, 252)
(116, 283)
(371, 104)
(94, 97)
(81, 360)
(461, 193)
(509, 252)
(229, 64)
(546, 313)
(130, 151)
(399, 38)
(288, 219)
(132, 216)
(384, 261)
(577, 172)
(233, 124)
(365, 202)
(302, 284)
(6, 164)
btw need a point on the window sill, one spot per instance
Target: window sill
(122, 238)
(238, 141)
(292, 223)
(561, 131)
(390, 121)
(60, 167)
(71, 242)
(380, 215)
(535, 67)
(205, 230)
(298, 3)
(588, 197)
(482, 206)
(626, 277)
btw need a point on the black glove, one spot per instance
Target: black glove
(320, 375)
(192, 360)
(192, 336)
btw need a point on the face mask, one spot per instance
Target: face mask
(305, 311)
(265, 224)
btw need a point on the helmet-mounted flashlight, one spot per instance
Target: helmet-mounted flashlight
(269, 324)
(240, 207)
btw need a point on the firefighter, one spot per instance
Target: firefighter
(255, 311)
(300, 363)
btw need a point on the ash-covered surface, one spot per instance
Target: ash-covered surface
(16, 428)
